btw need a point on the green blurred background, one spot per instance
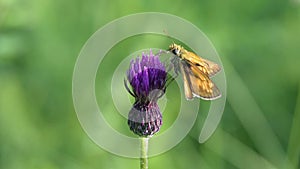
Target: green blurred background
(259, 44)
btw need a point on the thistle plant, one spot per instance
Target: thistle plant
(147, 77)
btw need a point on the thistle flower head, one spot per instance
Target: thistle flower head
(147, 77)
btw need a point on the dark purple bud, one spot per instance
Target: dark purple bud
(145, 119)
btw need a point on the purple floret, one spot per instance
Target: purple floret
(147, 75)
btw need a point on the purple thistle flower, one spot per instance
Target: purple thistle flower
(147, 77)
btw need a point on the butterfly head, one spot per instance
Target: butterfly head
(176, 49)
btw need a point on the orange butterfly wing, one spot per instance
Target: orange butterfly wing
(186, 81)
(202, 86)
(207, 67)
(196, 78)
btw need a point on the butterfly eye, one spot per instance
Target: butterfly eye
(174, 51)
(177, 51)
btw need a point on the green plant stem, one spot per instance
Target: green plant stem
(144, 153)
